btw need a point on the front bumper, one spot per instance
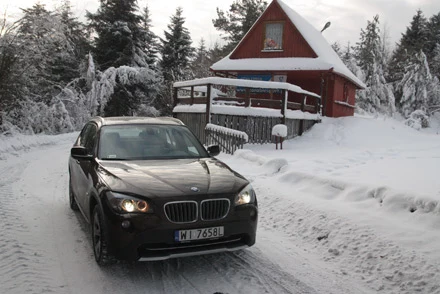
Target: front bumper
(151, 236)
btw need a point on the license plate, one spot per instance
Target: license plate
(198, 234)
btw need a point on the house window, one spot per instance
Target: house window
(274, 36)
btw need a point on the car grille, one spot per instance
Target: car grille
(181, 212)
(214, 209)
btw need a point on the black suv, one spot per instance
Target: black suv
(151, 191)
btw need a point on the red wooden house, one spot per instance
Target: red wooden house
(282, 46)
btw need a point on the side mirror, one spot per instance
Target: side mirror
(214, 150)
(80, 152)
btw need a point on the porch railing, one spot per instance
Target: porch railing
(229, 140)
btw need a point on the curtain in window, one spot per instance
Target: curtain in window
(274, 36)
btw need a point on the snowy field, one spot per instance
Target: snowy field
(352, 206)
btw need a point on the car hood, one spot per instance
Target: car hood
(171, 177)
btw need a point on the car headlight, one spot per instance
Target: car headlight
(128, 204)
(246, 196)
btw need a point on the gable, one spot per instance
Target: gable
(293, 43)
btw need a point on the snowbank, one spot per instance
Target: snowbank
(14, 145)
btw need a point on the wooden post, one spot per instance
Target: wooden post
(192, 95)
(284, 106)
(208, 104)
(301, 122)
(175, 97)
(317, 105)
(247, 96)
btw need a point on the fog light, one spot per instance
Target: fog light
(252, 213)
(126, 224)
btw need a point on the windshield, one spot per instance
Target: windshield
(135, 142)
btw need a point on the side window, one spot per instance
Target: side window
(90, 138)
(82, 135)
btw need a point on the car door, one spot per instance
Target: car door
(75, 165)
(85, 166)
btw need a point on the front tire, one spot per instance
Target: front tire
(72, 202)
(100, 239)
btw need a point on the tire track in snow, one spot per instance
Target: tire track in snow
(19, 270)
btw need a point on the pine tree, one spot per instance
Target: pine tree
(176, 49)
(215, 53)
(201, 63)
(411, 43)
(119, 33)
(432, 47)
(378, 95)
(238, 20)
(435, 61)
(150, 41)
(176, 54)
(66, 66)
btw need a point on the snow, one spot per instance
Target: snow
(352, 206)
(361, 193)
(279, 130)
(228, 131)
(244, 83)
(345, 104)
(327, 58)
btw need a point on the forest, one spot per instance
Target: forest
(56, 71)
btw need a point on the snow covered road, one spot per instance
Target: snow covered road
(45, 247)
(340, 212)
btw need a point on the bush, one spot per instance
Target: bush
(418, 119)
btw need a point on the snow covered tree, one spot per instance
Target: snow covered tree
(349, 59)
(9, 68)
(176, 54)
(417, 87)
(122, 91)
(378, 95)
(201, 63)
(119, 35)
(43, 46)
(411, 43)
(337, 48)
(236, 22)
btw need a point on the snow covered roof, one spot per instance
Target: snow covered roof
(326, 60)
(244, 83)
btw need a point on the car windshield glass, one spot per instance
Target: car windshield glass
(137, 141)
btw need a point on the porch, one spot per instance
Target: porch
(229, 103)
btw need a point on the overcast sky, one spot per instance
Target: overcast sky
(347, 16)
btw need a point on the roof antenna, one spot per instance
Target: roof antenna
(326, 26)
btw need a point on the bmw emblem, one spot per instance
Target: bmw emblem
(195, 189)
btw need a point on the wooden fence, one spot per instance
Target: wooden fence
(259, 129)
